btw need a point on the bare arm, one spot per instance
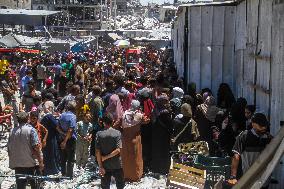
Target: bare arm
(45, 137)
(39, 156)
(234, 169)
(59, 130)
(99, 158)
(112, 154)
(235, 164)
(68, 135)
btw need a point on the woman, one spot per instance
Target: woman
(115, 109)
(146, 129)
(238, 115)
(161, 132)
(205, 119)
(249, 111)
(185, 128)
(176, 101)
(225, 97)
(50, 152)
(131, 153)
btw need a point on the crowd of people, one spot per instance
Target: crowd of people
(74, 106)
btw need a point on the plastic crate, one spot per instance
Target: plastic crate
(212, 161)
(215, 167)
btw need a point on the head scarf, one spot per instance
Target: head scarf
(209, 108)
(204, 96)
(114, 107)
(186, 110)
(48, 107)
(135, 104)
(162, 104)
(177, 92)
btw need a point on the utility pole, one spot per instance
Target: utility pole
(101, 14)
(115, 9)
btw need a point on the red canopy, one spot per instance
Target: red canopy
(19, 50)
(136, 51)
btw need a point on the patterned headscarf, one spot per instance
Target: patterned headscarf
(178, 92)
(209, 108)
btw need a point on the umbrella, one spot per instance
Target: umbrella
(122, 43)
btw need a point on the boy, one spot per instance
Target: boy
(84, 130)
(108, 145)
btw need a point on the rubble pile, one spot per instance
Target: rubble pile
(158, 30)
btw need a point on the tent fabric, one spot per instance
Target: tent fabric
(9, 41)
(12, 40)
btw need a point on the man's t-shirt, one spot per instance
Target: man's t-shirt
(107, 141)
(62, 82)
(249, 145)
(41, 72)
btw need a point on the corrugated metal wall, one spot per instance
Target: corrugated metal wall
(211, 45)
(259, 57)
(242, 45)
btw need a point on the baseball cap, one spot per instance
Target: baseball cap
(48, 81)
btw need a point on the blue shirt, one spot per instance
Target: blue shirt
(67, 120)
(57, 69)
(24, 82)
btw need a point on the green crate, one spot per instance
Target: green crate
(215, 168)
(212, 161)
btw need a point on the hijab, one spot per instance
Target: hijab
(133, 116)
(186, 110)
(114, 107)
(209, 108)
(178, 92)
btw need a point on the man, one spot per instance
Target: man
(25, 80)
(249, 144)
(27, 101)
(68, 66)
(79, 72)
(49, 89)
(23, 149)
(108, 146)
(8, 88)
(96, 105)
(41, 75)
(67, 127)
(74, 91)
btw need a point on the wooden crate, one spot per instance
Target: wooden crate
(185, 177)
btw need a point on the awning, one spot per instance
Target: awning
(8, 50)
(24, 17)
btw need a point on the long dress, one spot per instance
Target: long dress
(131, 153)
(161, 132)
(51, 151)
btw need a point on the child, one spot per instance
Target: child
(41, 130)
(84, 130)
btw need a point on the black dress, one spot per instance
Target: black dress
(161, 133)
(51, 151)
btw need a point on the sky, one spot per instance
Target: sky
(145, 2)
